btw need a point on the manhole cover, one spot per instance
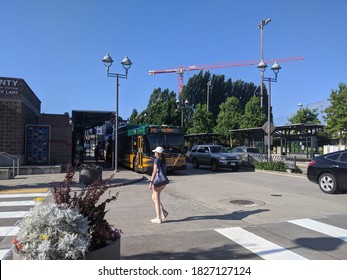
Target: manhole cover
(241, 202)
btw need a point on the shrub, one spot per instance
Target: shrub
(53, 233)
(272, 165)
(87, 203)
(297, 170)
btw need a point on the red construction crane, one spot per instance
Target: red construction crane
(181, 69)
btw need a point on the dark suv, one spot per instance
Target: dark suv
(215, 156)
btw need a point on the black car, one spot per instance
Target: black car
(329, 171)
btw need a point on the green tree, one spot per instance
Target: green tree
(336, 113)
(133, 117)
(305, 115)
(201, 120)
(162, 109)
(253, 115)
(229, 116)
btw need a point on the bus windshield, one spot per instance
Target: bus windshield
(171, 143)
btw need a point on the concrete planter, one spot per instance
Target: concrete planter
(88, 176)
(109, 252)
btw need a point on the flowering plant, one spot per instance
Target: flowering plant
(50, 232)
(70, 227)
(86, 202)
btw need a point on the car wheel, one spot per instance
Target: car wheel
(195, 163)
(214, 165)
(327, 183)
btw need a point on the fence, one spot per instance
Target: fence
(290, 161)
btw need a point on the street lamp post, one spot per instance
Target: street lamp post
(275, 68)
(181, 106)
(126, 62)
(209, 85)
(261, 27)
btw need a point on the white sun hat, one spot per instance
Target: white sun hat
(158, 150)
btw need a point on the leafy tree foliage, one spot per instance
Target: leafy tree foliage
(336, 113)
(229, 116)
(161, 109)
(305, 115)
(253, 115)
(201, 120)
(133, 117)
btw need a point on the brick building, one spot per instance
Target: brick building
(27, 134)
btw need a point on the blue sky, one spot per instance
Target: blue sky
(57, 47)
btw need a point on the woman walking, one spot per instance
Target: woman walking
(159, 164)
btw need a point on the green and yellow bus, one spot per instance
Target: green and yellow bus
(135, 145)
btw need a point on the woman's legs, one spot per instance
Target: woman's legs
(159, 208)
(156, 199)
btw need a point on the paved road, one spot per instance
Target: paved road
(224, 215)
(275, 217)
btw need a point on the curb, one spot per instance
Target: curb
(281, 173)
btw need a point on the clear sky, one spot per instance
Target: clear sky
(56, 46)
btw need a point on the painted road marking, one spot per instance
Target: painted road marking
(13, 214)
(322, 228)
(9, 231)
(258, 245)
(20, 195)
(17, 203)
(24, 190)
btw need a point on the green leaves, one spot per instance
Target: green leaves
(336, 114)
(306, 116)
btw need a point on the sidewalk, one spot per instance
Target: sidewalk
(41, 182)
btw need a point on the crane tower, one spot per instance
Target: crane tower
(181, 69)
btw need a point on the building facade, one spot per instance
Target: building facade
(25, 133)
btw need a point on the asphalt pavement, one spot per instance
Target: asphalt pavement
(39, 183)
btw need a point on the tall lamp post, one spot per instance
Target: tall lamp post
(209, 86)
(261, 25)
(126, 62)
(275, 68)
(182, 106)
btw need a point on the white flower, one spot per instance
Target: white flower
(52, 232)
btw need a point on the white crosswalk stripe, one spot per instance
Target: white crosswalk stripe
(23, 195)
(322, 228)
(17, 203)
(258, 245)
(13, 214)
(7, 233)
(269, 250)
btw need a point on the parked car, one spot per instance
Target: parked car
(245, 153)
(329, 171)
(215, 156)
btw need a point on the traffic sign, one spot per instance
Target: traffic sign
(265, 127)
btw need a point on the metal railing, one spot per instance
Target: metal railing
(290, 161)
(15, 162)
